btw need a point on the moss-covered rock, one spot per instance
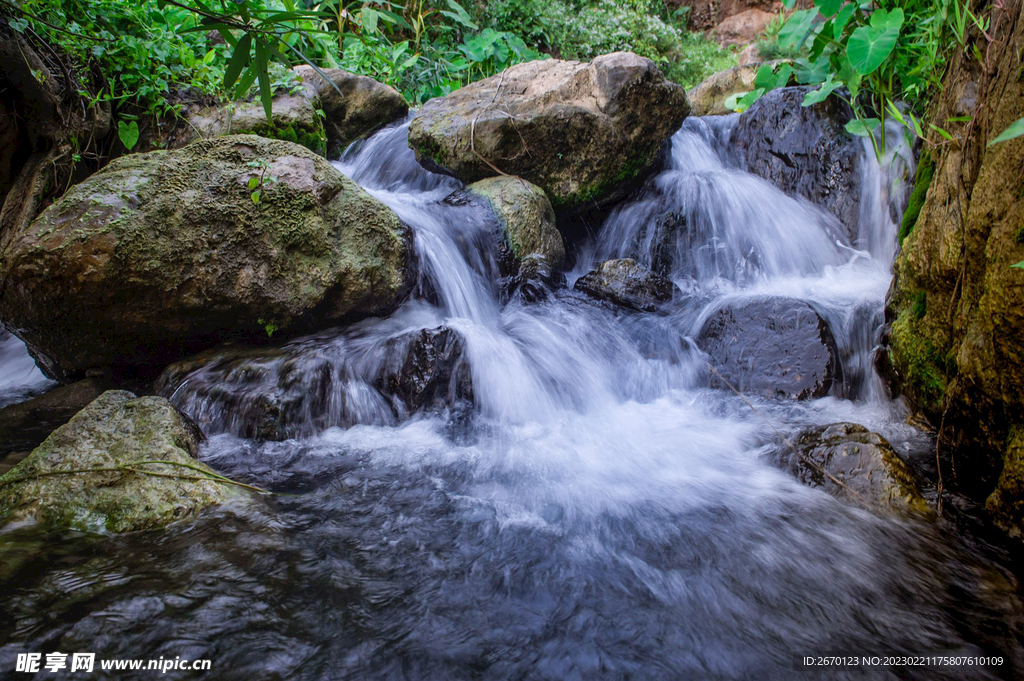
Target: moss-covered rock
(115, 431)
(163, 254)
(708, 98)
(525, 215)
(870, 471)
(956, 306)
(581, 132)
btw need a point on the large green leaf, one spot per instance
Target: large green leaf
(863, 127)
(828, 7)
(869, 46)
(262, 62)
(768, 79)
(797, 28)
(239, 60)
(1016, 129)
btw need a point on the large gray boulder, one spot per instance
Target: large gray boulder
(804, 151)
(163, 254)
(581, 132)
(115, 432)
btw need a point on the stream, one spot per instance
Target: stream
(601, 512)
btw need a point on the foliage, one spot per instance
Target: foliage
(574, 29)
(875, 54)
(1015, 130)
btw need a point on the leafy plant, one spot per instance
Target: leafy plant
(1015, 130)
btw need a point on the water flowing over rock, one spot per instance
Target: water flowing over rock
(311, 385)
(871, 472)
(626, 283)
(359, 107)
(956, 306)
(164, 254)
(804, 151)
(775, 346)
(116, 429)
(581, 132)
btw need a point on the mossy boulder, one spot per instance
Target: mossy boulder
(354, 106)
(117, 430)
(164, 254)
(869, 470)
(525, 216)
(580, 131)
(708, 98)
(956, 306)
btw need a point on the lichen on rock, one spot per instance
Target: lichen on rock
(116, 431)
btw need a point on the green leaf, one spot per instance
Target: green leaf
(1015, 130)
(869, 46)
(828, 7)
(129, 134)
(1018, 265)
(842, 18)
(255, 196)
(863, 127)
(741, 101)
(942, 132)
(809, 73)
(368, 20)
(768, 79)
(253, 183)
(822, 93)
(248, 78)
(239, 60)
(797, 27)
(266, 93)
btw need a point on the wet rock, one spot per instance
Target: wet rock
(773, 346)
(805, 151)
(581, 132)
(535, 280)
(304, 388)
(116, 429)
(434, 374)
(163, 254)
(525, 216)
(626, 283)
(25, 425)
(362, 107)
(871, 472)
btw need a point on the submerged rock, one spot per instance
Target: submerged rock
(359, 107)
(865, 463)
(115, 430)
(306, 387)
(626, 283)
(804, 151)
(581, 132)
(163, 254)
(774, 346)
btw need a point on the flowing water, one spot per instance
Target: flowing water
(602, 514)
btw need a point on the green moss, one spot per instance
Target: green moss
(1006, 503)
(315, 140)
(923, 367)
(925, 173)
(920, 305)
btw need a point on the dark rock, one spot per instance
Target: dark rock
(626, 283)
(871, 472)
(535, 280)
(311, 385)
(774, 346)
(25, 425)
(805, 151)
(581, 132)
(433, 375)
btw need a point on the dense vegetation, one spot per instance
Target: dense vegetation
(154, 54)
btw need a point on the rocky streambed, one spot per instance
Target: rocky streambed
(547, 380)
